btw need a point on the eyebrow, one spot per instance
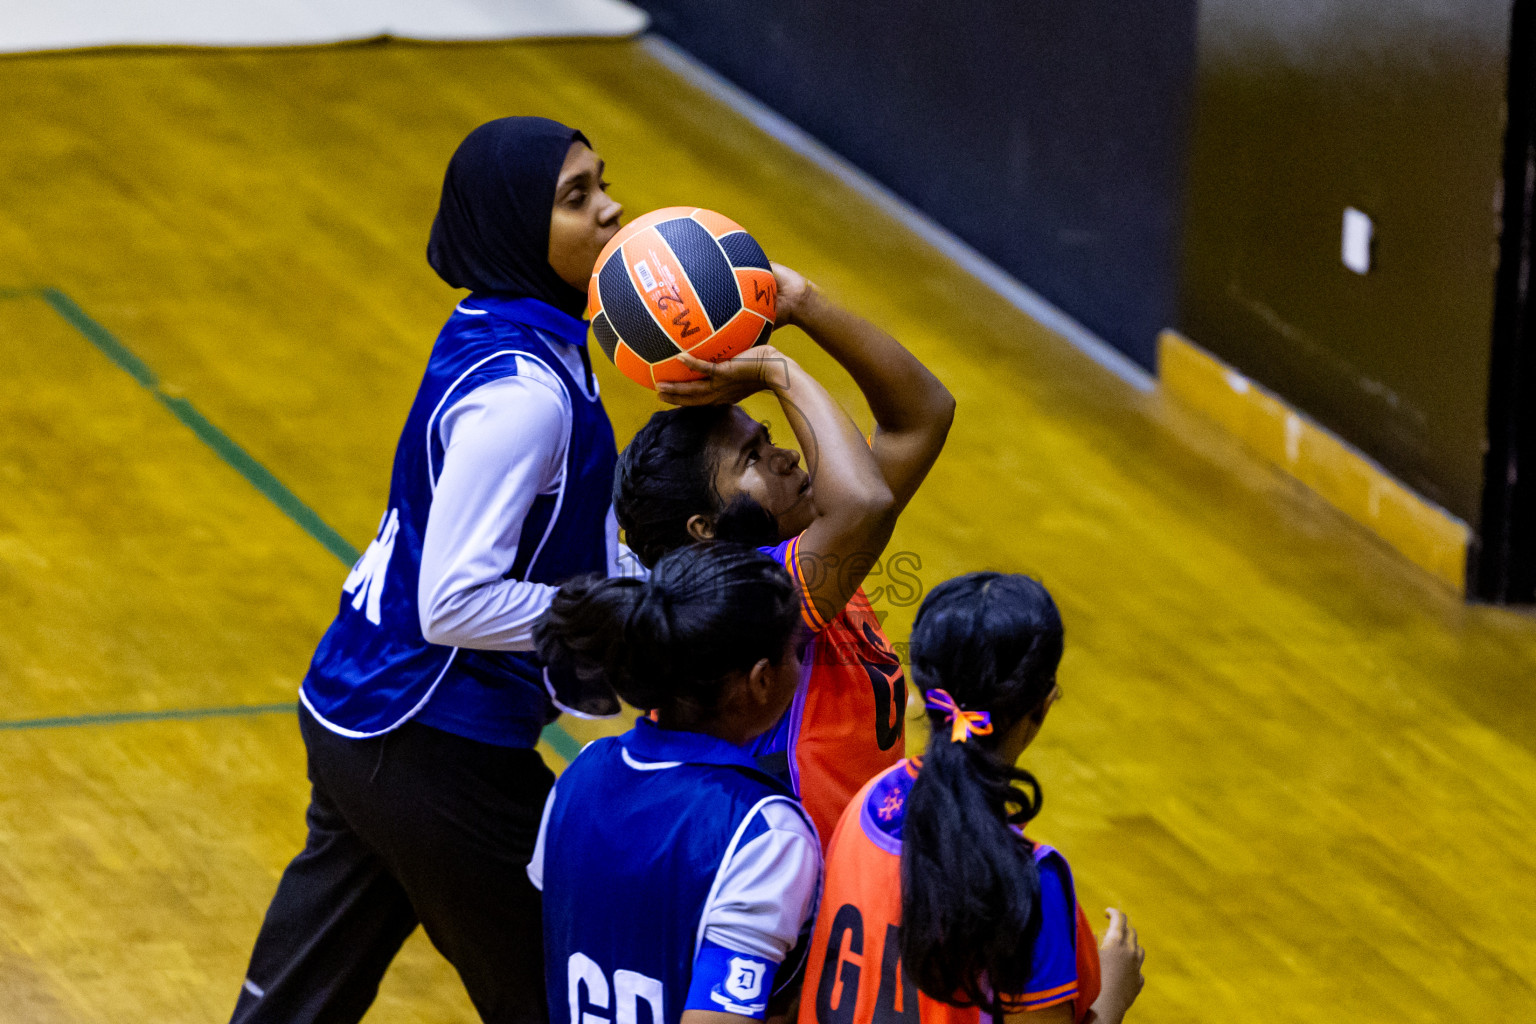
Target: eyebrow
(759, 436)
(584, 176)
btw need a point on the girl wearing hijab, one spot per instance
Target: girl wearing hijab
(423, 702)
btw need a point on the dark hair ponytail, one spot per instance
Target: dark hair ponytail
(665, 477)
(969, 887)
(669, 642)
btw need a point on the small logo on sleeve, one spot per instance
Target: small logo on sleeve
(742, 990)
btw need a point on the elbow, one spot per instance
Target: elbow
(434, 630)
(861, 509)
(942, 409)
(442, 620)
(876, 501)
(938, 416)
(930, 412)
(938, 404)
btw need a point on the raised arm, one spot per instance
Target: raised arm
(855, 511)
(913, 410)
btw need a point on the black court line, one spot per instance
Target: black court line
(243, 463)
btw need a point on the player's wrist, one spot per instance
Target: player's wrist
(809, 308)
(779, 371)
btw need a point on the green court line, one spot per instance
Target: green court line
(241, 462)
(119, 717)
(238, 458)
(561, 742)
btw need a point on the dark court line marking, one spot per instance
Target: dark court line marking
(221, 443)
(242, 462)
(558, 739)
(119, 717)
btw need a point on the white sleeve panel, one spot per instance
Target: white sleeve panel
(505, 443)
(621, 560)
(768, 888)
(536, 862)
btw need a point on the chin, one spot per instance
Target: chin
(796, 520)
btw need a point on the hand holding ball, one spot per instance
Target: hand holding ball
(679, 280)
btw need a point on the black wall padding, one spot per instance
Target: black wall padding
(1050, 136)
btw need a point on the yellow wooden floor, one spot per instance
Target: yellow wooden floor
(1307, 771)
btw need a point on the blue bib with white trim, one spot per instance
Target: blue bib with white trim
(639, 829)
(373, 669)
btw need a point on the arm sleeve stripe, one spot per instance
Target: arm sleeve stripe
(1048, 1003)
(1030, 997)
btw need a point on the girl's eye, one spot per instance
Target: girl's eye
(603, 185)
(576, 198)
(753, 456)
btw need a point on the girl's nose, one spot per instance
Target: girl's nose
(610, 215)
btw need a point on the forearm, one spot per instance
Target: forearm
(497, 616)
(1105, 1014)
(829, 439)
(903, 394)
(714, 1017)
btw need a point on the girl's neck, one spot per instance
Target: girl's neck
(721, 728)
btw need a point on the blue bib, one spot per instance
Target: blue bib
(373, 669)
(630, 857)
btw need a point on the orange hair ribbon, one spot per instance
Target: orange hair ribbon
(965, 723)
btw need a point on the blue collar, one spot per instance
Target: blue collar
(653, 743)
(533, 313)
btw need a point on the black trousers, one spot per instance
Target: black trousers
(415, 826)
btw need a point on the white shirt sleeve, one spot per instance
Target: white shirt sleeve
(536, 862)
(768, 888)
(504, 444)
(621, 560)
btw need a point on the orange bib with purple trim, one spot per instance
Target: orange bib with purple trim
(854, 973)
(848, 720)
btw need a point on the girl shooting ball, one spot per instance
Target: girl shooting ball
(937, 909)
(708, 470)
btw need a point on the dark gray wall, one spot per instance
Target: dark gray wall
(1137, 180)
(1050, 137)
(1304, 107)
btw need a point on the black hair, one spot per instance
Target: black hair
(665, 477)
(669, 642)
(969, 887)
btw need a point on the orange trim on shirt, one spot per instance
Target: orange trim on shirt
(1069, 990)
(1043, 1004)
(808, 609)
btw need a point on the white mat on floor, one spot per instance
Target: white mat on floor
(72, 24)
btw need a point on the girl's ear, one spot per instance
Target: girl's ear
(701, 527)
(760, 681)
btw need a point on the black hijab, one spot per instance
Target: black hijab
(492, 228)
